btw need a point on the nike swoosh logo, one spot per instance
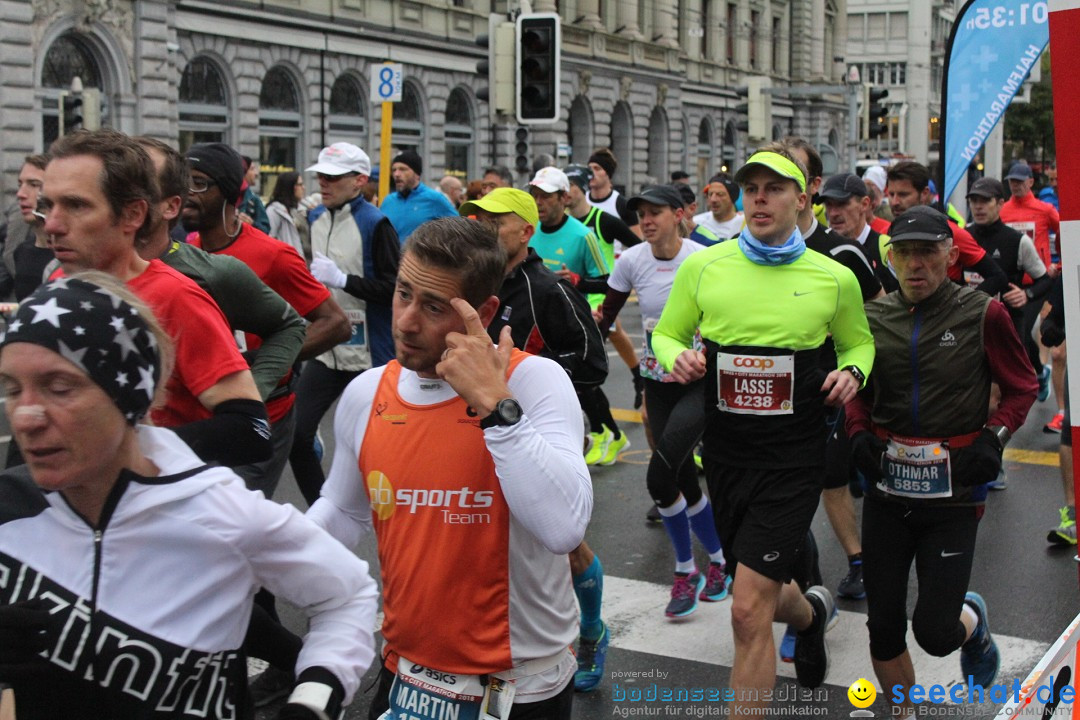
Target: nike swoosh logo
(945, 554)
(800, 294)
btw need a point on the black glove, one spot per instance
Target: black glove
(979, 462)
(24, 631)
(639, 387)
(867, 451)
(292, 711)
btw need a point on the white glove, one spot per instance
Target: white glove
(327, 272)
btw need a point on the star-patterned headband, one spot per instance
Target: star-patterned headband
(97, 331)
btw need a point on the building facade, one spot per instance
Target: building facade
(654, 79)
(901, 46)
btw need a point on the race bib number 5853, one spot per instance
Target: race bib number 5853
(755, 384)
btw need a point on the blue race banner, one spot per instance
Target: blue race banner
(993, 45)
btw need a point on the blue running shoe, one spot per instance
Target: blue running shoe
(1044, 383)
(684, 594)
(979, 656)
(787, 645)
(716, 583)
(591, 655)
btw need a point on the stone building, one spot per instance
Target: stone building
(278, 79)
(901, 46)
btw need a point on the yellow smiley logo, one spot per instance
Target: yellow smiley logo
(861, 693)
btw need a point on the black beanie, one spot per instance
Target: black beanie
(410, 158)
(222, 164)
(605, 160)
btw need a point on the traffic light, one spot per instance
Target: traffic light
(874, 112)
(539, 51)
(757, 109)
(91, 109)
(521, 150)
(71, 116)
(498, 68)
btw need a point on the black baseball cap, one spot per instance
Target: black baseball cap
(921, 222)
(1019, 171)
(842, 187)
(988, 188)
(580, 175)
(657, 195)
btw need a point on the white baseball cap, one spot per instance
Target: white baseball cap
(341, 158)
(551, 179)
(876, 174)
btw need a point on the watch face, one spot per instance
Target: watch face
(509, 410)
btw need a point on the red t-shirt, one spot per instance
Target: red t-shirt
(880, 225)
(205, 349)
(1034, 218)
(280, 267)
(970, 251)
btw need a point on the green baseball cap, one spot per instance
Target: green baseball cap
(505, 200)
(776, 162)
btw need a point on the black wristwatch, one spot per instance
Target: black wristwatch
(1001, 433)
(506, 413)
(855, 373)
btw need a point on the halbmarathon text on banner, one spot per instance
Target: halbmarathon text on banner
(993, 46)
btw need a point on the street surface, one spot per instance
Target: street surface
(1031, 588)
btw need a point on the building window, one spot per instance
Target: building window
(347, 122)
(280, 126)
(755, 29)
(898, 73)
(68, 58)
(459, 135)
(704, 152)
(708, 43)
(898, 26)
(408, 121)
(732, 30)
(203, 111)
(777, 43)
(875, 26)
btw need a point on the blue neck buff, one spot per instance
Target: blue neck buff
(763, 254)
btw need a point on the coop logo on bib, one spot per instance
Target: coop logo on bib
(755, 384)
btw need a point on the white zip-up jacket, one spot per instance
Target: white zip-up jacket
(154, 604)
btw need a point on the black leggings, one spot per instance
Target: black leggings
(941, 541)
(597, 408)
(677, 418)
(316, 390)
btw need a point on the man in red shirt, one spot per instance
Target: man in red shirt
(1037, 219)
(217, 173)
(908, 186)
(101, 199)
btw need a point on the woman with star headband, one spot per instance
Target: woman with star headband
(127, 565)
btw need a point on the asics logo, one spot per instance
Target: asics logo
(754, 362)
(770, 557)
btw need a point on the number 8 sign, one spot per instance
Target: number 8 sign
(386, 83)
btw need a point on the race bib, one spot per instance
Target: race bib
(755, 384)
(917, 469)
(972, 279)
(423, 693)
(357, 319)
(1025, 226)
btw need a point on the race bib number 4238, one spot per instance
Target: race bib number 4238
(755, 384)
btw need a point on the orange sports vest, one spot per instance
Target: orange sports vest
(443, 528)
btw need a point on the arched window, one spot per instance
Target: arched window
(204, 106)
(68, 57)
(409, 121)
(347, 122)
(704, 152)
(579, 130)
(459, 135)
(658, 146)
(280, 126)
(729, 148)
(622, 144)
